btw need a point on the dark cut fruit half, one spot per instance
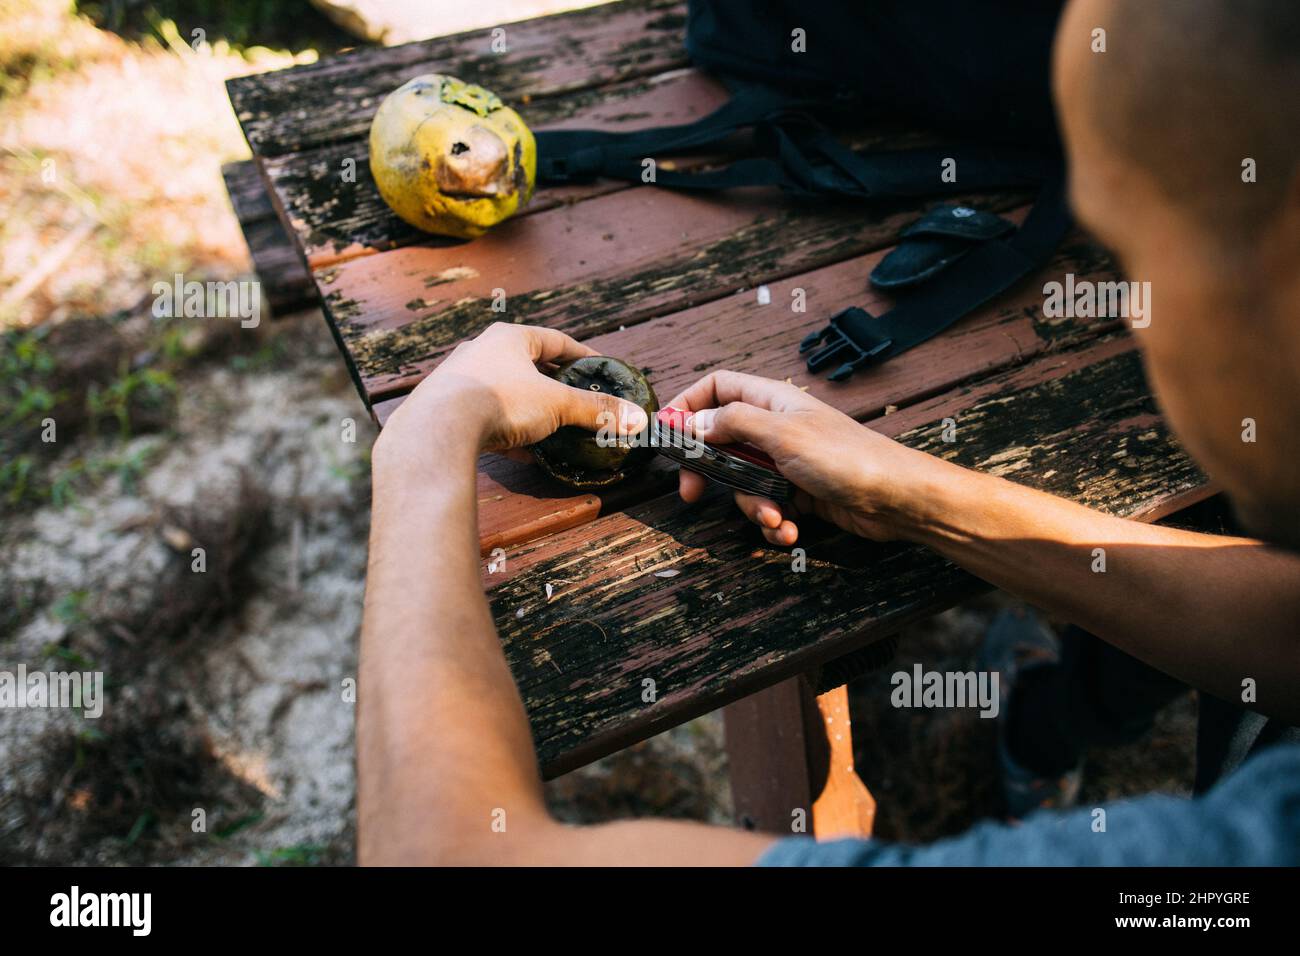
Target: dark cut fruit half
(573, 455)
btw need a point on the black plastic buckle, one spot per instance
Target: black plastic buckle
(837, 344)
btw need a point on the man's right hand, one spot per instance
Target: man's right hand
(843, 471)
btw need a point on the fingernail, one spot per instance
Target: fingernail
(631, 418)
(702, 420)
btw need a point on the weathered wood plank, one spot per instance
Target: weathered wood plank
(587, 269)
(337, 217)
(308, 106)
(518, 502)
(740, 333)
(735, 617)
(286, 283)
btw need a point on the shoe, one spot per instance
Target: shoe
(1017, 643)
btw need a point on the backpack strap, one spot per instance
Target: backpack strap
(794, 152)
(578, 155)
(934, 242)
(853, 337)
(791, 150)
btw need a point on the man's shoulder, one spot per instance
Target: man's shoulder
(1252, 818)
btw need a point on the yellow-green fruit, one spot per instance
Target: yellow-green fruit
(450, 158)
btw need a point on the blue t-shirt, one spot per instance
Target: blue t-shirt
(1251, 818)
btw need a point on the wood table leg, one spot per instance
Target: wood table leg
(845, 807)
(791, 759)
(767, 756)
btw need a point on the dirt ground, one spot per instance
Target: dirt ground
(228, 733)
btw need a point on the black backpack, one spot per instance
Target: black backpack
(976, 70)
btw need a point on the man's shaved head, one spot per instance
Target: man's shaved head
(1157, 128)
(1189, 89)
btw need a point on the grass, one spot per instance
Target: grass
(305, 854)
(271, 354)
(68, 608)
(45, 402)
(39, 40)
(66, 655)
(227, 831)
(111, 146)
(131, 783)
(151, 388)
(113, 130)
(247, 26)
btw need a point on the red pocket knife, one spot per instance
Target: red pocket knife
(740, 466)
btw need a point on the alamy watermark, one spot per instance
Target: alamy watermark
(1086, 299)
(133, 911)
(54, 689)
(946, 689)
(241, 299)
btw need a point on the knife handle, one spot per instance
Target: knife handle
(675, 418)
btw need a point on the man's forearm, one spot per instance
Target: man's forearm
(445, 758)
(1175, 599)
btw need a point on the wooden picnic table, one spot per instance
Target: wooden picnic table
(602, 597)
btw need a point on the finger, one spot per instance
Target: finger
(552, 345)
(762, 511)
(734, 422)
(691, 485)
(597, 411)
(784, 536)
(722, 387)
